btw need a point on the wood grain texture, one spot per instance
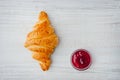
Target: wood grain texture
(90, 24)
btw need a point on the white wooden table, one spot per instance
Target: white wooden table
(90, 24)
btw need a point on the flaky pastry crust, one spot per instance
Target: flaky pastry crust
(42, 41)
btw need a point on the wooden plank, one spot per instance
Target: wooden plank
(90, 24)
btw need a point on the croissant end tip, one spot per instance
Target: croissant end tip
(44, 67)
(43, 12)
(43, 15)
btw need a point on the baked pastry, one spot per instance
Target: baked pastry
(42, 41)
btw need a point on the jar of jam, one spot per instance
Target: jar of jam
(81, 59)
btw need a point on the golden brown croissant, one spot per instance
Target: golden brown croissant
(42, 41)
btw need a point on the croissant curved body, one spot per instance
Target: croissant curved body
(42, 41)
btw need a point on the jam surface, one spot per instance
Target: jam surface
(81, 59)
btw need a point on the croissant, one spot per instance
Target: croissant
(42, 41)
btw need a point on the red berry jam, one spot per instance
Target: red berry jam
(81, 59)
